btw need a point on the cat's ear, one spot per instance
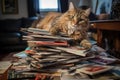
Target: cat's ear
(87, 11)
(71, 6)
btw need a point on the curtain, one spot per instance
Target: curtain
(115, 11)
(33, 7)
(63, 5)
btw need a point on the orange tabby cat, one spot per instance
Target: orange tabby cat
(73, 22)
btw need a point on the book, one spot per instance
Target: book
(40, 34)
(97, 49)
(38, 31)
(77, 76)
(4, 66)
(21, 54)
(48, 43)
(116, 71)
(74, 50)
(103, 60)
(92, 69)
(51, 37)
(46, 76)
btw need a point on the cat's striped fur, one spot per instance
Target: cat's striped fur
(73, 22)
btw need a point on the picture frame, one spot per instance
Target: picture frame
(9, 6)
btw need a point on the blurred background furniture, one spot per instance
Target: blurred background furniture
(10, 34)
(108, 35)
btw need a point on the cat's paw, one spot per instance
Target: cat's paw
(86, 44)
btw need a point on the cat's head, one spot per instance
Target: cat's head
(77, 21)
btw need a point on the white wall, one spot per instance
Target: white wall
(22, 11)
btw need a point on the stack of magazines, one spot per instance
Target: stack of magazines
(38, 37)
(56, 56)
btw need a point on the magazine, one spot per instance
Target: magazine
(93, 69)
(51, 37)
(38, 31)
(4, 66)
(103, 60)
(74, 50)
(48, 43)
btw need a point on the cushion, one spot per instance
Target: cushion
(9, 25)
(9, 38)
(26, 22)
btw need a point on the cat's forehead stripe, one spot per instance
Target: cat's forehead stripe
(80, 13)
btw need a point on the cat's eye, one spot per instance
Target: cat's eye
(80, 21)
(71, 16)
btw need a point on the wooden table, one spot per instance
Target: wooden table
(110, 28)
(4, 68)
(4, 76)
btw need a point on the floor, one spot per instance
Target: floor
(6, 56)
(2, 55)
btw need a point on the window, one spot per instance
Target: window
(48, 5)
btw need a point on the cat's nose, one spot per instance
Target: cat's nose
(74, 25)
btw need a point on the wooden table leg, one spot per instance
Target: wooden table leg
(99, 37)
